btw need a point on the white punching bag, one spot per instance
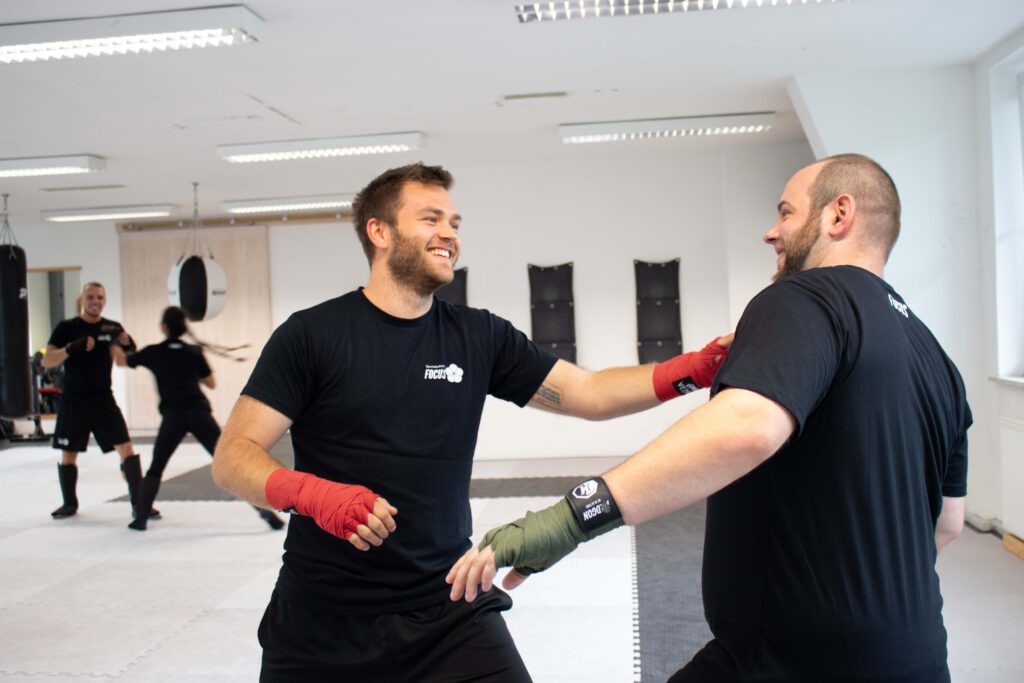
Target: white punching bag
(198, 285)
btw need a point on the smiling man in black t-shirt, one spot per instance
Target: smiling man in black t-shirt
(833, 454)
(83, 345)
(383, 389)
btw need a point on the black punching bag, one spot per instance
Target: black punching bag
(15, 370)
(198, 285)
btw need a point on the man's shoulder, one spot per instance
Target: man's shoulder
(467, 315)
(329, 307)
(325, 319)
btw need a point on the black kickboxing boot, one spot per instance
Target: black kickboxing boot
(270, 518)
(147, 494)
(67, 475)
(131, 468)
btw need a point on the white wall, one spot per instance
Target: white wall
(919, 124)
(600, 213)
(1001, 233)
(752, 182)
(312, 263)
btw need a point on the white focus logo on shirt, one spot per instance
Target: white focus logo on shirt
(899, 306)
(452, 372)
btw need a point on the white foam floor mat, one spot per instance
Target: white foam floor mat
(88, 598)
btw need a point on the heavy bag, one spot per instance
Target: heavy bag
(197, 284)
(15, 364)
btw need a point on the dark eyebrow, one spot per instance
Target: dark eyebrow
(781, 204)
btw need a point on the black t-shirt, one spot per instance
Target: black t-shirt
(820, 564)
(393, 405)
(178, 367)
(87, 372)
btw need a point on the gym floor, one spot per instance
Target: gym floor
(87, 597)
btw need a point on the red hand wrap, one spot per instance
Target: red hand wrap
(689, 371)
(338, 509)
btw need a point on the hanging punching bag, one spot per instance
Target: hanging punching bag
(15, 368)
(198, 285)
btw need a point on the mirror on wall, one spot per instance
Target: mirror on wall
(52, 297)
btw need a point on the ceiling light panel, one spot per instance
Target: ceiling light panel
(279, 204)
(128, 34)
(109, 213)
(532, 12)
(646, 129)
(287, 150)
(39, 166)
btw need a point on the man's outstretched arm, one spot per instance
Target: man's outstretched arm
(604, 394)
(705, 451)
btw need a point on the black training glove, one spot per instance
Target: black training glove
(80, 345)
(115, 336)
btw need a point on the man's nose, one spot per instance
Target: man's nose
(448, 232)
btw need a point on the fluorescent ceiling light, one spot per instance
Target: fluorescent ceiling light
(591, 9)
(128, 33)
(618, 131)
(109, 213)
(319, 148)
(310, 203)
(20, 168)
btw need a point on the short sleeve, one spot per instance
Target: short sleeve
(788, 348)
(520, 366)
(283, 376)
(954, 483)
(60, 335)
(143, 357)
(201, 365)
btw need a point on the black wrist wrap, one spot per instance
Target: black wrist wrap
(592, 504)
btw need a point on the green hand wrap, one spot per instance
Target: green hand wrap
(540, 539)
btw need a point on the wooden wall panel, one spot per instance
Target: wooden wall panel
(146, 261)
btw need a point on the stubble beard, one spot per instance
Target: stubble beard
(799, 248)
(407, 266)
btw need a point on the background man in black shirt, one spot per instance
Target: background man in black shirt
(833, 453)
(83, 345)
(383, 389)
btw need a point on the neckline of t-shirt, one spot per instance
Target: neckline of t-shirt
(393, 320)
(854, 268)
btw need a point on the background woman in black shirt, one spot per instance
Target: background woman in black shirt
(179, 369)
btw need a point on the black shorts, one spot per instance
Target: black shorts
(80, 415)
(713, 664)
(448, 641)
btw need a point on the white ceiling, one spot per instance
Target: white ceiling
(326, 68)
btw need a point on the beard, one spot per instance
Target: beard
(409, 267)
(799, 247)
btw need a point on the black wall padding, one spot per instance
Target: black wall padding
(659, 334)
(551, 309)
(455, 291)
(15, 366)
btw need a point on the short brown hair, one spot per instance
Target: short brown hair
(382, 198)
(868, 183)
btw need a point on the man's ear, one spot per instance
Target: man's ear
(379, 233)
(840, 214)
